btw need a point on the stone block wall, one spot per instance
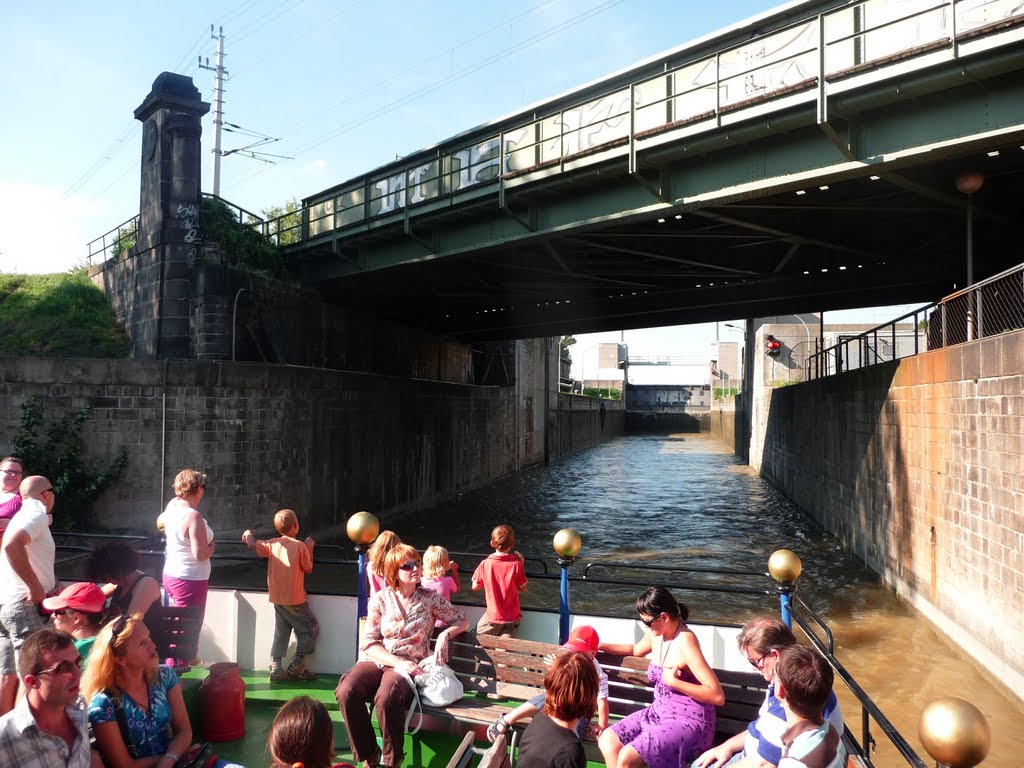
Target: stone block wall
(918, 467)
(327, 443)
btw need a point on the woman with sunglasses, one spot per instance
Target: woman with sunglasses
(679, 725)
(135, 704)
(11, 473)
(80, 610)
(399, 623)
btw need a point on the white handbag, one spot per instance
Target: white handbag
(438, 685)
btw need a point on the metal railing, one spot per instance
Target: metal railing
(115, 242)
(987, 308)
(803, 58)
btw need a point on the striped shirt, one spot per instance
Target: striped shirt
(764, 735)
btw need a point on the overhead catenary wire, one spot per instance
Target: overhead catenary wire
(454, 77)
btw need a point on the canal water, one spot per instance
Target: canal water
(683, 501)
(686, 501)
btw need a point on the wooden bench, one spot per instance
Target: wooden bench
(513, 670)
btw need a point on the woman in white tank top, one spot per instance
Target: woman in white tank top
(189, 542)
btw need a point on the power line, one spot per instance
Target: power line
(437, 85)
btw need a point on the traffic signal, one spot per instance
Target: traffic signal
(772, 346)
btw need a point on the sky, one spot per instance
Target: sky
(345, 85)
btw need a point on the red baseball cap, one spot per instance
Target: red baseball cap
(583, 639)
(83, 596)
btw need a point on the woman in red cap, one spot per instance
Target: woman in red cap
(582, 639)
(80, 611)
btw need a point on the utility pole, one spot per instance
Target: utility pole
(218, 102)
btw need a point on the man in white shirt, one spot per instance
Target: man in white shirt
(26, 574)
(48, 728)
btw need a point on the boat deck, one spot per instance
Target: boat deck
(262, 700)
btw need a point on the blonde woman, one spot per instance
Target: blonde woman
(135, 704)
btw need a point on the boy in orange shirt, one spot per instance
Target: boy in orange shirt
(502, 577)
(288, 562)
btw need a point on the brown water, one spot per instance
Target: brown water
(685, 500)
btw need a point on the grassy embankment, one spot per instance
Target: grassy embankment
(60, 315)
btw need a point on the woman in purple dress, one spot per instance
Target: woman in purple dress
(680, 723)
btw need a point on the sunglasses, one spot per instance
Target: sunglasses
(649, 622)
(118, 628)
(759, 663)
(410, 565)
(61, 611)
(64, 668)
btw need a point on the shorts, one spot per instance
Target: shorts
(497, 628)
(17, 621)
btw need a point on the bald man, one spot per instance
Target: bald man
(26, 576)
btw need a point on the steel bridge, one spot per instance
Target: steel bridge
(812, 158)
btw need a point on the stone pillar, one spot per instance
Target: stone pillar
(169, 237)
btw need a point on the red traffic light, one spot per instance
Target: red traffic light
(772, 346)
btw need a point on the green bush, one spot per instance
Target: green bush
(603, 392)
(55, 451)
(719, 392)
(247, 249)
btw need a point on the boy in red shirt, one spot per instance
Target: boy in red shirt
(503, 577)
(288, 562)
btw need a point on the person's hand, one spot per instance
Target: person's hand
(36, 593)
(411, 668)
(715, 756)
(454, 566)
(248, 538)
(549, 659)
(669, 674)
(441, 647)
(596, 730)
(309, 542)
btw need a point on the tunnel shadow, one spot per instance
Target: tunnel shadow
(835, 447)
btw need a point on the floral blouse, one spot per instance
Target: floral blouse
(149, 732)
(406, 632)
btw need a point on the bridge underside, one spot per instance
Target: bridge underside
(776, 214)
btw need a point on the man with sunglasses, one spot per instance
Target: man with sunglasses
(760, 746)
(47, 729)
(26, 573)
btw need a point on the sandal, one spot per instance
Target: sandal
(498, 727)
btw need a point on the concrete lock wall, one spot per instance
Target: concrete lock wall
(326, 442)
(918, 467)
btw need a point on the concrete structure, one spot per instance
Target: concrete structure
(327, 442)
(918, 467)
(666, 407)
(149, 285)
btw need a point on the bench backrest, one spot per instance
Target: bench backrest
(515, 669)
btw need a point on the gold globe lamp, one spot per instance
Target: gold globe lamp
(954, 732)
(160, 523)
(784, 566)
(567, 543)
(362, 528)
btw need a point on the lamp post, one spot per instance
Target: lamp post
(362, 528)
(968, 183)
(743, 352)
(566, 544)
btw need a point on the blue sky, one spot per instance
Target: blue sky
(346, 84)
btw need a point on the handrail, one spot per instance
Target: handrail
(126, 231)
(966, 315)
(671, 569)
(869, 708)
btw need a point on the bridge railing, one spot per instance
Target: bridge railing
(987, 308)
(804, 60)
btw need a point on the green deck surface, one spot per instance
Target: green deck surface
(262, 700)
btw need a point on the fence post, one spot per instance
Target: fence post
(981, 316)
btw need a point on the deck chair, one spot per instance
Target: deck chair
(175, 631)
